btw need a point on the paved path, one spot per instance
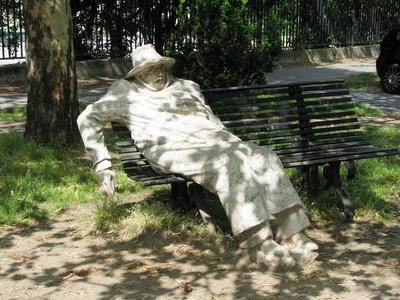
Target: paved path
(324, 72)
(14, 94)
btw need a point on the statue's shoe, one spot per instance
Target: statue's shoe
(301, 247)
(273, 255)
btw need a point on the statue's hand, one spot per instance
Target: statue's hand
(107, 181)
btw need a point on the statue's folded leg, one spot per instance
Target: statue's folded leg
(281, 241)
(289, 222)
(288, 229)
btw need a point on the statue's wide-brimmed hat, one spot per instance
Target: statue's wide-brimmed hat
(146, 56)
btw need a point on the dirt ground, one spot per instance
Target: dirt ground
(63, 259)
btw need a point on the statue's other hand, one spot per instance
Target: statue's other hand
(107, 181)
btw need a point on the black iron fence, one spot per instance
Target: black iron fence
(104, 28)
(12, 33)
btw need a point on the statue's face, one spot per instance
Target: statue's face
(155, 76)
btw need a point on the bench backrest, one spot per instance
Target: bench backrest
(287, 118)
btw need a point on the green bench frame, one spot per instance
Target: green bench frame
(308, 124)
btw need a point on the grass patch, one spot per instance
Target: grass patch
(38, 181)
(363, 110)
(365, 82)
(149, 211)
(15, 114)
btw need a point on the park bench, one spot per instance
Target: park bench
(308, 125)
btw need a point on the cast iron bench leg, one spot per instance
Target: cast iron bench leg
(310, 178)
(185, 197)
(180, 196)
(351, 169)
(332, 174)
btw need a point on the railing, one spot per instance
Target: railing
(115, 27)
(12, 33)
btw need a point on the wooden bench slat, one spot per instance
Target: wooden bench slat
(282, 119)
(125, 143)
(143, 168)
(325, 93)
(133, 157)
(216, 96)
(372, 154)
(317, 143)
(328, 147)
(269, 142)
(280, 99)
(329, 86)
(258, 89)
(264, 114)
(317, 153)
(170, 179)
(252, 100)
(127, 149)
(313, 134)
(271, 105)
(291, 125)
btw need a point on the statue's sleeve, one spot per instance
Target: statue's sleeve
(91, 122)
(211, 116)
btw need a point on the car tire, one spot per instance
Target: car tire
(390, 79)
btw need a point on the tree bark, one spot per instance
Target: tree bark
(52, 85)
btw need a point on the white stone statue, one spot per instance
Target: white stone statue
(178, 133)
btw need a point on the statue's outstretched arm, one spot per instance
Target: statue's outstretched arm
(91, 123)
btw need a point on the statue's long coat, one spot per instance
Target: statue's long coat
(178, 133)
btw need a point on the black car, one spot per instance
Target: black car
(388, 62)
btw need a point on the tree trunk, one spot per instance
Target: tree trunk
(52, 86)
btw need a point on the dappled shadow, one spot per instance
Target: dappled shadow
(58, 259)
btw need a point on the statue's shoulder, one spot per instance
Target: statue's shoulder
(188, 84)
(119, 87)
(121, 83)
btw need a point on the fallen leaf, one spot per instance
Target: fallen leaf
(19, 257)
(187, 287)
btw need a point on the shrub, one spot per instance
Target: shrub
(216, 45)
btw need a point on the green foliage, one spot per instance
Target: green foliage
(215, 45)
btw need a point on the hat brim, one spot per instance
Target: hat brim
(168, 62)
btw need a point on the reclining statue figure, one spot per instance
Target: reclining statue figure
(177, 133)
